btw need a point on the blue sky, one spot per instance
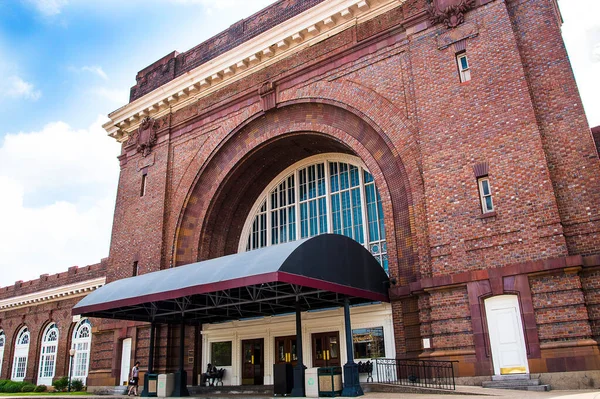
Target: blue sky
(65, 64)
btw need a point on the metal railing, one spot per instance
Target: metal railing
(416, 373)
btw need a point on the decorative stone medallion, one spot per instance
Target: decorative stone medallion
(145, 136)
(449, 12)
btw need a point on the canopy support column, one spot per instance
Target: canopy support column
(181, 374)
(145, 392)
(299, 374)
(352, 386)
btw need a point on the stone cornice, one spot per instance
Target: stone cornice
(53, 294)
(306, 29)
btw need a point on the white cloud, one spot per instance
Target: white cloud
(117, 96)
(70, 177)
(15, 87)
(48, 8)
(212, 6)
(94, 69)
(581, 33)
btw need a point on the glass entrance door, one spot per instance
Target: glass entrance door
(326, 349)
(253, 367)
(285, 350)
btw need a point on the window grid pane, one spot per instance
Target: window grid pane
(81, 343)
(348, 192)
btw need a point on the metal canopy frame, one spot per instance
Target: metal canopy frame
(268, 299)
(320, 272)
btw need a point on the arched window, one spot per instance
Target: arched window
(48, 355)
(328, 193)
(2, 343)
(82, 340)
(21, 354)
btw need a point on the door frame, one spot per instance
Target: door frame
(508, 302)
(126, 345)
(258, 380)
(325, 339)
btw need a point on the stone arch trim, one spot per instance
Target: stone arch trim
(333, 120)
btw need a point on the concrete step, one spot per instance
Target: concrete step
(244, 390)
(509, 377)
(539, 388)
(510, 383)
(520, 382)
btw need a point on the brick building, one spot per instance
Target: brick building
(447, 137)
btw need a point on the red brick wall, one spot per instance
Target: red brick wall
(450, 324)
(571, 157)
(590, 282)
(37, 317)
(560, 310)
(75, 274)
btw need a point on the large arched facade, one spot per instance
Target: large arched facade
(257, 151)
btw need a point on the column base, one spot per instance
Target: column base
(181, 384)
(298, 390)
(352, 386)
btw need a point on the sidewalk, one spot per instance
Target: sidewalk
(467, 392)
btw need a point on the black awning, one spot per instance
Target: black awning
(321, 271)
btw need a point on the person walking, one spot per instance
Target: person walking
(133, 382)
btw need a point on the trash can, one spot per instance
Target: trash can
(311, 387)
(283, 378)
(330, 381)
(150, 385)
(166, 385)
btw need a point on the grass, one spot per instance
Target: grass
(19, 394)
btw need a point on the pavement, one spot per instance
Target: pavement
(466, 392)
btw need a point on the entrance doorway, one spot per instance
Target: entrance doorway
(253, 367)
(285, 350)
(507, 340)
(125, 361)
(326, 349)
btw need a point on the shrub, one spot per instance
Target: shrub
(76, 385)
(13, 387)
(3, 382)
(27, 387)
(61, 383)
(41, 388)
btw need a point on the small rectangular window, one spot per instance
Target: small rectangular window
(463, 67)
(485, 194)
(368, 343)
(220, 353)
(135, 268)
(144, 181)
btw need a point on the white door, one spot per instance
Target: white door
(125, 361)
(506, 335)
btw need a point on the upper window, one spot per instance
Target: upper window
(2, 342)
(463, 67)
(21, 354)
(330, 193)
(144, 183)
(485, 194)
(48, 355)
(82, 339)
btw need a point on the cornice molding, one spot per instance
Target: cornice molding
(304, 30)
(52, 294)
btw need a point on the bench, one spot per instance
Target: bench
(366, 367)
(217, 378)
